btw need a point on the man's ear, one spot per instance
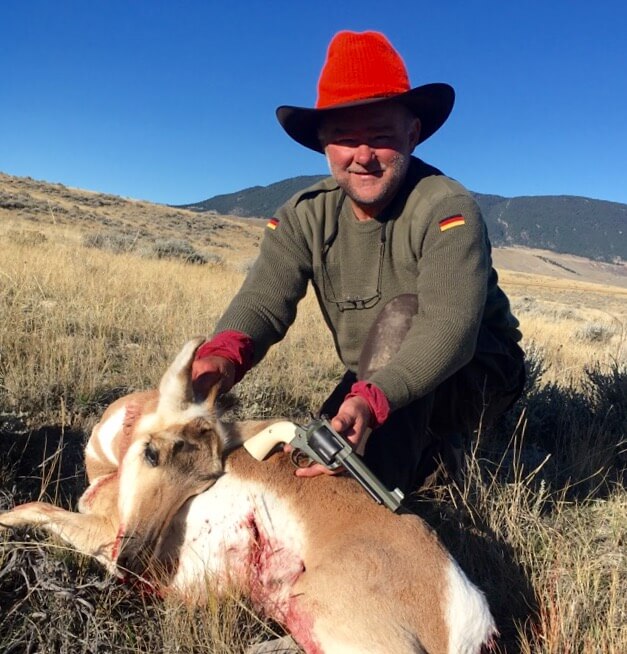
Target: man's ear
(414, 133)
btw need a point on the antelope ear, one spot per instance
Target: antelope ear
(212, 397)
(175, 389)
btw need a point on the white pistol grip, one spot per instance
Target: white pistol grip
(261, 444)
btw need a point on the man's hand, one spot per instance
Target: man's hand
(211, 370)
(352, 421)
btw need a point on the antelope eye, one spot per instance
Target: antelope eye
(151, 454)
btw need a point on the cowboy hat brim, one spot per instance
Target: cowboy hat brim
(431, 103)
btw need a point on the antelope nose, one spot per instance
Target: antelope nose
(129, 560)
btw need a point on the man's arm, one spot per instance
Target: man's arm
(262, 310)
(454, 267)
(451, 290)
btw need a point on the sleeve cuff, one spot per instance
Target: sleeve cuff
(235, 346)
(375, 397)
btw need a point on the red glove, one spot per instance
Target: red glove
(377, 402)
(225, 359)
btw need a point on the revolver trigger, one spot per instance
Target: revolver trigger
(299, 459)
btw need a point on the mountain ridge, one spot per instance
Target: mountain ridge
(569, 224)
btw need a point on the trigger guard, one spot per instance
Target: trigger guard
(299, 459)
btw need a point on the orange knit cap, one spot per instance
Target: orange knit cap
(359, 66)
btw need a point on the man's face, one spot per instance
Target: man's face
(368, 149)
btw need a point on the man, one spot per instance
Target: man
(400, 261)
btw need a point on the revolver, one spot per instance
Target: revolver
(319, 442)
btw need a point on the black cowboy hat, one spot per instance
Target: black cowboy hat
(362, 69)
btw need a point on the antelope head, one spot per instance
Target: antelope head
(176, 452)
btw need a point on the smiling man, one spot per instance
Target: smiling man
(368, 150)
(400, 261)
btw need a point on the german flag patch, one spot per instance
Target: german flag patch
(273, 223)
(452, 221)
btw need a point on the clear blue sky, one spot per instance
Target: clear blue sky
(174, 101)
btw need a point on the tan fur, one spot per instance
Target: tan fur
(362, 559)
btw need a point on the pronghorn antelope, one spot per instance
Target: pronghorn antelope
(171, 491)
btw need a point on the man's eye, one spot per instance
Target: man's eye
(347, 142)
(378, 140)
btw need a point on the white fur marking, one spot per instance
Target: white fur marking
(218, 538)
(159, 420)
(468, 615)
(108, 431)
(130, 481)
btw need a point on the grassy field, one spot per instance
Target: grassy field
(540, 522)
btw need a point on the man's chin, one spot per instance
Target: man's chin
(372, 207)
(366, 199)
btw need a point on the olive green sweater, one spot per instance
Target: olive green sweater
(446, 263)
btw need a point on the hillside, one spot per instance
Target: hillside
(595, 229)
(30, 209)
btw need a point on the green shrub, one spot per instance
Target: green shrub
(174, 249)
(595, 333)
(112, 241)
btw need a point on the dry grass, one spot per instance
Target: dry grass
(540, 522)
(85, 324)
(574, 323)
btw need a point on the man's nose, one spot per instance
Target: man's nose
(364, 154)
